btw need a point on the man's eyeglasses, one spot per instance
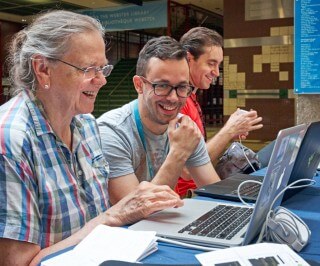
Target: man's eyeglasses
(164, 89)
(90, 72)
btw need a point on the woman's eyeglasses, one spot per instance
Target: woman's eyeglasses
(90, 72)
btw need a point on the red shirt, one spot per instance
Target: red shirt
(193, 109)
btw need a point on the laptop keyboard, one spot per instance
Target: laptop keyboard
(250, 189)
(221, 222)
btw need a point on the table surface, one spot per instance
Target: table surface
(306, 204)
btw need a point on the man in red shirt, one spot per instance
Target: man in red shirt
(205, 54)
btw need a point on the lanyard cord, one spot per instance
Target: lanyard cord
(141, 134)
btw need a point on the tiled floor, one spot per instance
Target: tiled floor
(255, 145)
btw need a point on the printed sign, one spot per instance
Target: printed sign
(131, 17)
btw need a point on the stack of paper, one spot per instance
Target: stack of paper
(108, 243)
(256, 254)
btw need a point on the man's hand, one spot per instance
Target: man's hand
(184, 136)
(240, 123)
(146, 199)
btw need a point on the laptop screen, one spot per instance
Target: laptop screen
(279, 170)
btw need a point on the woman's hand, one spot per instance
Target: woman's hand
(143, 201)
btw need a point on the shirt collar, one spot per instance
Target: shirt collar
(41, 122)
(38, 115)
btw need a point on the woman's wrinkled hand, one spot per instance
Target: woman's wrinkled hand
(146, 199)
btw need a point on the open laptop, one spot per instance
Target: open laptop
(305, 167)
(307, 160)
(225, 224)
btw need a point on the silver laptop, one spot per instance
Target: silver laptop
(305, 167)
(217, 223)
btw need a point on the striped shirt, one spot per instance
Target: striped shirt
(48, 192)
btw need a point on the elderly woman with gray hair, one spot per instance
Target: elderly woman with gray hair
(53, 176)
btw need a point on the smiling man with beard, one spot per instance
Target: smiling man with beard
(147, 139)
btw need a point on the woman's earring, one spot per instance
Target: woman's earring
(46, 86)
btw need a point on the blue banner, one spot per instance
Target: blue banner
(307, 47)
(131, 17)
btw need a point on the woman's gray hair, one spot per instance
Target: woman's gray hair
(48, 35)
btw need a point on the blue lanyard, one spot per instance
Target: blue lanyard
(141, 134)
